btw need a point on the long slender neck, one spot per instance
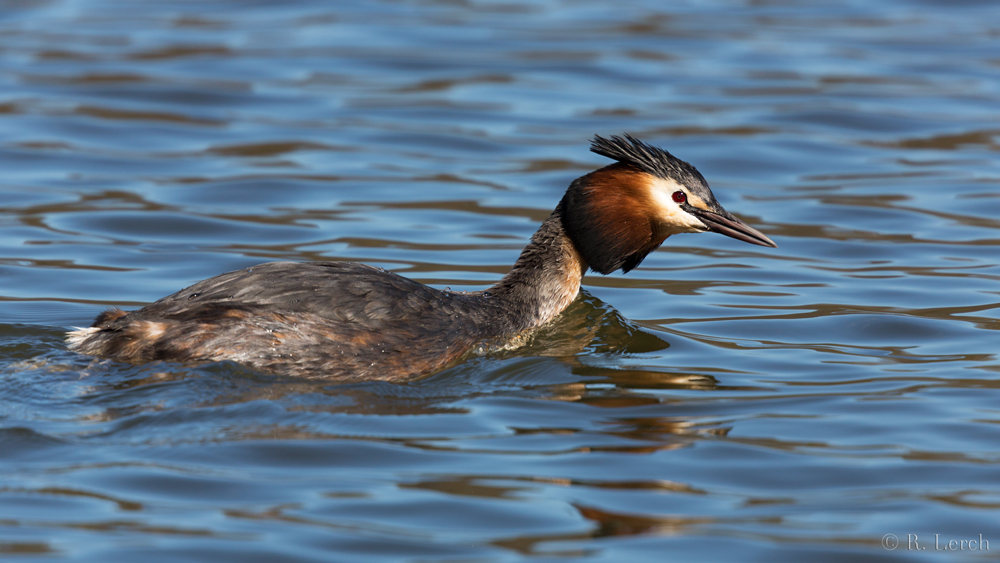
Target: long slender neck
(545, 279)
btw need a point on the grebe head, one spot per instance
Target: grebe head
(619, 214)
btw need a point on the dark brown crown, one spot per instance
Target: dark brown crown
(651, 160)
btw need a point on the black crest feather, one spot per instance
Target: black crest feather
(653, 160)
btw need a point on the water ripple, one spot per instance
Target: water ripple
(721, 401)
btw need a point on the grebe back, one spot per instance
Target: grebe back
(347, 321)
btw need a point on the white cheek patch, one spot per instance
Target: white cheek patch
(672, 218)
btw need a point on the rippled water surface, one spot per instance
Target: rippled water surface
(722, 402)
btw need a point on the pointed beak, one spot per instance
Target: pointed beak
(727, 224)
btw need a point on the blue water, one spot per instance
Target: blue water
(835, 398)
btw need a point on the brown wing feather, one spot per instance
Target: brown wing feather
(329, 319)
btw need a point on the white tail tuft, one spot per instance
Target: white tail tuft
(76, 337)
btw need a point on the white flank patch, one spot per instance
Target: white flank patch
(154, 330)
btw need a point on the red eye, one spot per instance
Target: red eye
(680, 197)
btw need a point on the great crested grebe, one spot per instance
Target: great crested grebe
(340, 320)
